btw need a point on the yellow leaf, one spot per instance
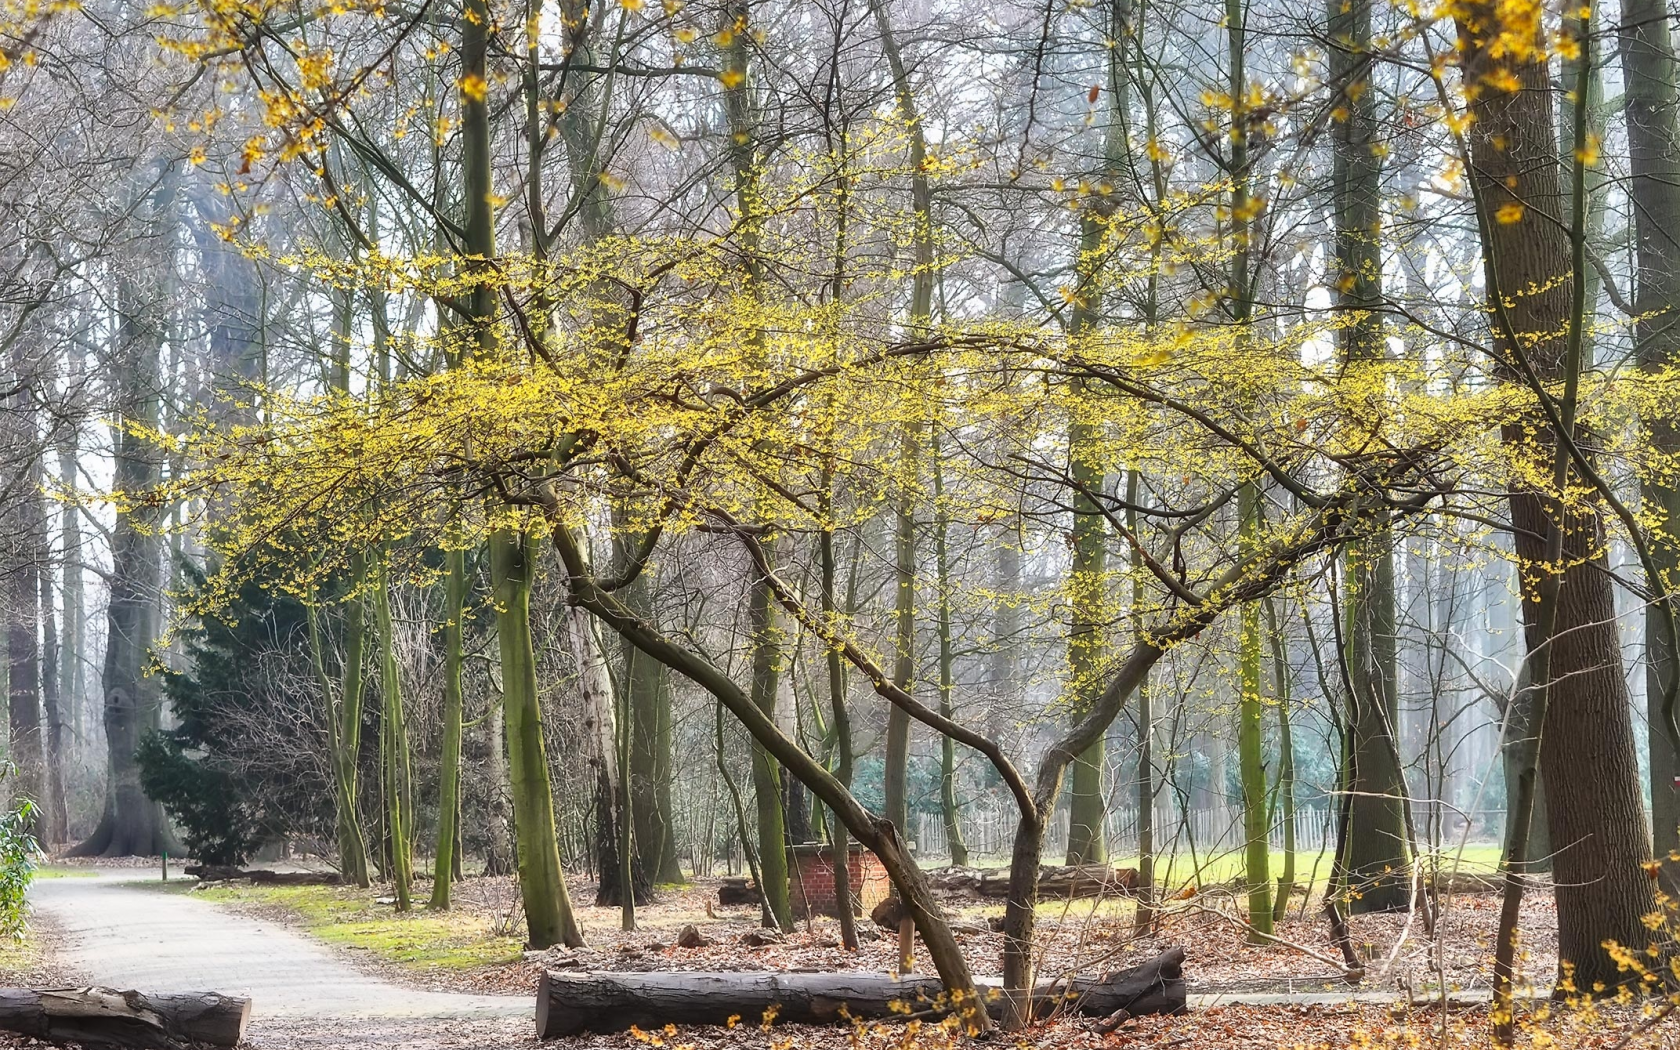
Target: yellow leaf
(1508, 213)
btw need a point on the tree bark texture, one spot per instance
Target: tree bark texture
(1595, 813)
(572, 1003)
(105, 1017)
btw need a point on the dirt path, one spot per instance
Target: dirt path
(128, 936)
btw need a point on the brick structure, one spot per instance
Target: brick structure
(811, 882)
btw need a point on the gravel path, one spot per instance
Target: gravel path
(130, 936)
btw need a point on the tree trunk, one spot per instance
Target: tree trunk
(133, 824)
(1286, 766)
(766, 772)
(1594, 809)
(572, 1003)
(1651, 112)
(648, 685)
(841, 721)
(449, 767)
(1374, 856)
(598, 706)
(394, 751)
(107, 1017)
(55, 829)
(947, 664)
(23, 663)
(542, 886)
(897, 771)
(1250, 708)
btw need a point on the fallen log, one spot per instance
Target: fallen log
(1079, 880)
(263, 876)
(603, 1003)
(736, 892)
(105, 1017)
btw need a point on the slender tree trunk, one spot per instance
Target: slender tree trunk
(741, 109)
(393, 741)
(765, 631)
(22, 608)
(910, 438)
(840, 719)
(542, 886)
(1286, 765)
(71, 684)
(56, 827)
(947, 665)
(1251, 705)
(449, 767)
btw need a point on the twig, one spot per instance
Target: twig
(1349, 972)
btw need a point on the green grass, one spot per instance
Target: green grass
(420, 940)
(1226, 867)
(52, 872)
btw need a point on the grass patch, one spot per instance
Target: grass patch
(49, 871)
(1226, 867)
(347, 916)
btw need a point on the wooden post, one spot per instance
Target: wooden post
(906, 943)
(165, 865)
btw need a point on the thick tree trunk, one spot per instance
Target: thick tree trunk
(598, 705)
(133, 824)
(1595, 812)
(571, 1003)
(648, 687)
(1651, 111)
(104, 1017)
(1374, 855)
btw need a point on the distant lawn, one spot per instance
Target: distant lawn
(1226, 867)
(419, 940)
(50, 871)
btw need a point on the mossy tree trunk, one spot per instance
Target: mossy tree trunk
(449, 770)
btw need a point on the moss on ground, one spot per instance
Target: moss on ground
(420, 939)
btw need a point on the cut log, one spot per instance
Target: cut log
(104, 1017)
(574, 1003)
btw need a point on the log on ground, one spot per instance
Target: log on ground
(105, 1017)
(570, 1003)
(263, 876)
(1079, 880)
